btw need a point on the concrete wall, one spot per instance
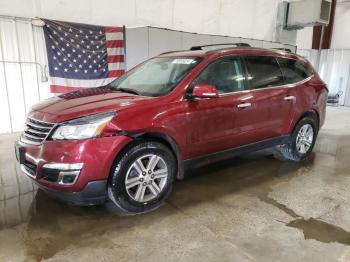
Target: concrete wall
(242, 18)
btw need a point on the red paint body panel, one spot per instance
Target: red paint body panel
(96, 154)
(198, 127)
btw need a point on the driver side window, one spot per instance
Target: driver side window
(225, 74)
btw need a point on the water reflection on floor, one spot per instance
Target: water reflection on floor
(17, 192)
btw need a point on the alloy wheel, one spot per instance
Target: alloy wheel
(146, 178)
(304, 139)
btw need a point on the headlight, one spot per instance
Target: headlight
(84, 127)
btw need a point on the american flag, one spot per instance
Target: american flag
(82, 56)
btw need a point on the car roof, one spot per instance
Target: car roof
(231, 51)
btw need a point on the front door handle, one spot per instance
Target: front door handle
(288, 98)
(244, 105)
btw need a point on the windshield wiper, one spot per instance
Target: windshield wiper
(128, 90)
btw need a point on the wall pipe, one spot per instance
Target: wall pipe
(318, 58)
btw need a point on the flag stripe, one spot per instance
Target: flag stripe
(115, 58)
(115, 43)
(114, 29)
(114, 36)
(115, 73)
(115, 66)
(115, 51)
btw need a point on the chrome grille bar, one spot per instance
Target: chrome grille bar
(39, 133)
(37, 126)
(36, 131)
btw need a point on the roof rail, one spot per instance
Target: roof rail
(200, 47)
(169, 52)
(284, 49)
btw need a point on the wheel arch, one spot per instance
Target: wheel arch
(309, 113)
(167, 141)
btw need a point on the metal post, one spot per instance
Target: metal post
(124, 40)
(318, 58)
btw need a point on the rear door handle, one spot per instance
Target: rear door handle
(244, 105)
(288, 98)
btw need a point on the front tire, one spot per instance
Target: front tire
(302, 140)
(142, 177)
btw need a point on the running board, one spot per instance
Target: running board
(232, 152)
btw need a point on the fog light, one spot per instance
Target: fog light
(68, 177)
(61, 173)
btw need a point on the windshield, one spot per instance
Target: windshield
(155, 77)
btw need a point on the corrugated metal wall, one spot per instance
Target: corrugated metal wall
(334, 70)
(22, 62)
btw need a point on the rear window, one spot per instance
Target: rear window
(293, 70)
(263, 72)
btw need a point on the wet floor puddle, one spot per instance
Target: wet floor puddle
(321, 231)
(313, 228)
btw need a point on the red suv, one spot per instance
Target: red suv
(130, 140)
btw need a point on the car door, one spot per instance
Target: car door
(211, 121)
(271, 99)
(295, 72)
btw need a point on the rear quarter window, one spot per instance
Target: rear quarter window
(293, 70)
(263, 71)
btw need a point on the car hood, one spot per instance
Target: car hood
(84, 102)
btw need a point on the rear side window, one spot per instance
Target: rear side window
(263, 72)
(293, 70)
(225, 74)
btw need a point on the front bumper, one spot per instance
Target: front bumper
(94, 193)
(88, 162)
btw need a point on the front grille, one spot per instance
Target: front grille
(36, 131)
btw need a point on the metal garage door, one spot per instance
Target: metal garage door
(22, 71)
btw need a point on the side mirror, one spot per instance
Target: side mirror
(203, 90)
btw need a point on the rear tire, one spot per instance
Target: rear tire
(302, 140)
(142, 177)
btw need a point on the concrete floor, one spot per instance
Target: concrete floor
(252, 208)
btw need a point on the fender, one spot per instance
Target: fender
(310, 113)
(165, 139)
